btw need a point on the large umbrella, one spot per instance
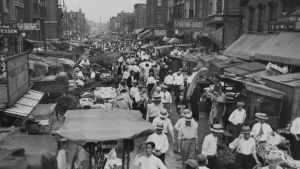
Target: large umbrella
(95, 125)
(174, 41)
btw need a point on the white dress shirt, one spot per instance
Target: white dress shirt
(209, 146)
(126, 75)
(237, 116)
(181, 122)
(161, 142)
(166, 123)
(153, 110)
(243, 146)
(178, 80)
(169, 80)
(151, 162)
(256, 129)
(191, 77)
(61, 159)
(187, 132)
(166, 97)
(150, 80)
(295, 128)
(133, 90)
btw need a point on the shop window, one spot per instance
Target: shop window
(261, 15)
(251, 12)
(219, 6)
(159, 2)
(159, 19)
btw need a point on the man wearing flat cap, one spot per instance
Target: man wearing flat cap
(237, 119)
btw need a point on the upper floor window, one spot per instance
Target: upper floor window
(210, 8)
(261, 14)
(251, 12)
(272, 11)
(159, 19)
(219, 6)
(159, 2)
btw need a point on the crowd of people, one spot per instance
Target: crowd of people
(149, 84)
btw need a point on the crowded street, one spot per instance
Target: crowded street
(156, 84)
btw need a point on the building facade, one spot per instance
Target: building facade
(140, 12)
(157, 13)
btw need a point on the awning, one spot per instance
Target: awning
(83, 126)
(207, 58)
(164, 47)
(217, 36)
(160, 33)
(247, 46)
(246, 68)
(262, 89)
(137, 31)
(174, 41)
(26, 104)
(283, 48)
(146, 33)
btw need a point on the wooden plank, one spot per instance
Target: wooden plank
(3, 95)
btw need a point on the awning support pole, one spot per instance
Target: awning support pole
(90, 156)
(128, 159)
(123, 157)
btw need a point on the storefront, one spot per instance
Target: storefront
(10, 40)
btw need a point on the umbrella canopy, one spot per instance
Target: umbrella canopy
(174, 41)
(83, 126)
(105, 59)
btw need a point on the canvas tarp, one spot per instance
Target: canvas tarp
(82, 126)
(105, 59)
(40, 151)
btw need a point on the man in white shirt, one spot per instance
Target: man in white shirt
(163, 119)
(191, 77)
(134, 89)
(181, 121)
(261, 129)
(237, 119)
(295, 131)
(166, 97)
(188, 140)
(178, 78)
(161, 142)
(126, 74)
(148, 161)
(209, 146)
(154, 108)
(169, 79)
(246, 149)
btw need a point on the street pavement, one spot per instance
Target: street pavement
(173, 161)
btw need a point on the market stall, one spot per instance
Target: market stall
(92, 126)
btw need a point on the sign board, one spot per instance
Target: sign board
(282, 26)
(6, 29)
(188, 24)
(17, 77)
(28, 26)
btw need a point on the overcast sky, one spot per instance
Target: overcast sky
(104, 8)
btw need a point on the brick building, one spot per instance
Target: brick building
(140, 11)
(157, 13)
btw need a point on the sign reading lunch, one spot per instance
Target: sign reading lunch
(188, 24)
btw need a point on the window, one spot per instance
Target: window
(219, 6)
(5, 6)
(251, 11)
(261, 14)
(159, 2)
(159, 19)
(272, 11)
(210, 8)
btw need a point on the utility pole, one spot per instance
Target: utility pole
(76, 25)
(43, 26)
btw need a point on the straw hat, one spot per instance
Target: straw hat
(163, 113)
(76, 69)
(164, 86)
(246, 130)
(262, 116)
(217, 128)
(188, 118)
(240, 104)
(187, 113)
(159, 126)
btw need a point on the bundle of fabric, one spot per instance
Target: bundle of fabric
(105, 93)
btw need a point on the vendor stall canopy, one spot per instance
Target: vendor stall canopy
(83, 126)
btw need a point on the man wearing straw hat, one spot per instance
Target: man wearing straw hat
(166, 98)
(163, 119)
(209, 146)
(154, 108)
(261, 129)
(188, 139)
(246, 149)
(237, 119)
(161, 142)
